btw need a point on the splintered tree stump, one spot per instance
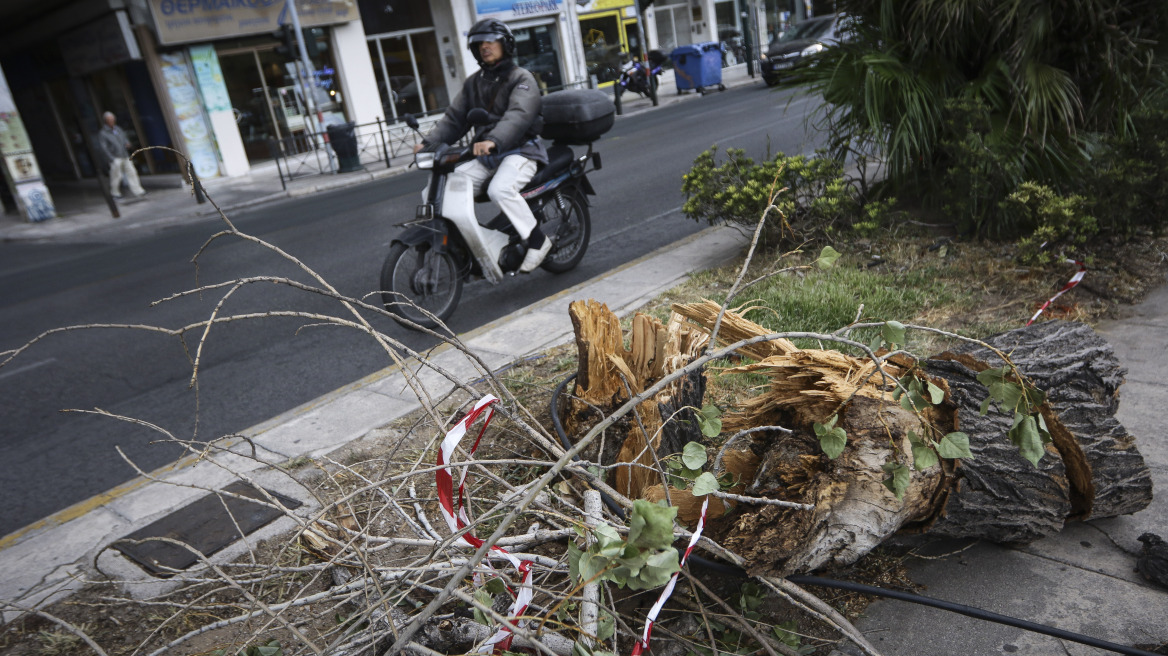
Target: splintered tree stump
(610, 374)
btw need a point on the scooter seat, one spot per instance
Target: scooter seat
(559, 159)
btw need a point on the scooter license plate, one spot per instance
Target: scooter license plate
(424, 212)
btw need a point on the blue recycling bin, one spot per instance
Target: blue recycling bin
(698, 66)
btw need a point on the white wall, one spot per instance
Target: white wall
(355, 70)
(452, 20)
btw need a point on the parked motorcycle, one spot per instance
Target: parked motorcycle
(442, 249)
(639, 77)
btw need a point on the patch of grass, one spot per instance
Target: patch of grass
(60, 641)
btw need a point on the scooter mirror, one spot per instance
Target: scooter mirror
(478, 116)
(411, 121)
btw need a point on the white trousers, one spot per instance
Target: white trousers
(513, 173)
(121, 168)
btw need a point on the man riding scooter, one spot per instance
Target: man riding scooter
(507, 151)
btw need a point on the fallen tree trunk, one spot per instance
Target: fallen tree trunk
(1091, 470)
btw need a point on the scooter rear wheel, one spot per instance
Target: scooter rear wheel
(570, 228)
(416, 280)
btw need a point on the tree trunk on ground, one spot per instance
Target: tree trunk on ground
(1092, 470)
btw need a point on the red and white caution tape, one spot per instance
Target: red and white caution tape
(1066, 288)
(458, 519)
(643, 642)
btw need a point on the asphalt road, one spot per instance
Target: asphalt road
(250, 371)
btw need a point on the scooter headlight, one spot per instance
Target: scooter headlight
(424, 160)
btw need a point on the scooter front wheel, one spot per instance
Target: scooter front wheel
(420, 285)
(568, 224)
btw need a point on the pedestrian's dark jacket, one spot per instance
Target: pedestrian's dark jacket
(504, 90)
(113, 143)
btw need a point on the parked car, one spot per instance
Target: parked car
(803, 40)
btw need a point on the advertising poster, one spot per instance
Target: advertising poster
(210, 77)
(510, 10)
(22, 168)
(189, 110)
(35, 201)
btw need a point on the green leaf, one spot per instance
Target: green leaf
(923, 456)
(607, 536)
(954, 445)
(899, 477)
(710, 421)
(694, 455)
(786, 633)
(574, 554)
(605, 626)
(893, 332)
(991, 376)
(485, 599)
(877, 342)
(651, 525)
(1025, 436)
(936, 394)
(1008, 395)
(831, 440)
(985, 405)
(495, 586)
(827, 257)
(705, 484)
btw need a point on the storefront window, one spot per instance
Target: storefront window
(266, 98)
(673, 26)
(602, 46)
(536, 50)
(409, 73)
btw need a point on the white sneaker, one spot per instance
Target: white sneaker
(535, 256)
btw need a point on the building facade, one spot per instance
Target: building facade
(211, 81)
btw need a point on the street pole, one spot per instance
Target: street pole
(306, 87)
(640, 16)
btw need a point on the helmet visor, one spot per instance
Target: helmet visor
(479, 37)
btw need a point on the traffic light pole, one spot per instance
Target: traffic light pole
(306, 86)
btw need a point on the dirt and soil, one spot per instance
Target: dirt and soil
(1001, 295)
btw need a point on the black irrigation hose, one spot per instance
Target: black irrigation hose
(961, 609)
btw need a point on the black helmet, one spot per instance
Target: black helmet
(490, 29)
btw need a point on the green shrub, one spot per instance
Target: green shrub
(979, 170)
(1129, 181)
(811, 195)
(1058, 225)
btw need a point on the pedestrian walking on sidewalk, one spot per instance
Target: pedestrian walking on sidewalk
(116, 149)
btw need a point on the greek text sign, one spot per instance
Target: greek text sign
(184, 21)
(516, 9)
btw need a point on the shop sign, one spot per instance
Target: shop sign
(586, 6)
(517, 9)
(105, 42)
(184, 21)
(189, 111)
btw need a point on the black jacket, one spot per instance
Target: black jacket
(504, 90)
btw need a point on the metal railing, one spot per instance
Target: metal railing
(304, 154)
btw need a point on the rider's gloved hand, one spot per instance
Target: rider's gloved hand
(483, 148)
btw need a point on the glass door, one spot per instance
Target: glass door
(536, 50)
(603, 39)
(409, 73)
(249, 94)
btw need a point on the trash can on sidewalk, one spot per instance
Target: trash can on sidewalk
(343, 139)
(698, 66)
